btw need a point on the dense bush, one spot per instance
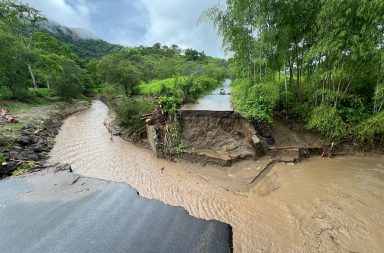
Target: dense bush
(371, 131)
(179, 90)
(68, 84)
(42, 92)
(158, 87)
(255, 102)
(170, 104)
(327, 121)
(130, 111)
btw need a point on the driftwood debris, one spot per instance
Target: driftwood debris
(7, 117)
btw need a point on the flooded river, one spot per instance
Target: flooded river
(319, 205)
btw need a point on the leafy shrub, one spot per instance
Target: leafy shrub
(112, 91)
(188, 88)
(5, 93)
(129, 112)
(170, 104)
(2, 158)
(371, 131)
(42, 92)
(68, 83)
(255, 102)
(179, 90)
(327, 121)
(301, 112)
(157, 87)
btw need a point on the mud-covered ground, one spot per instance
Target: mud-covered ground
(319, 205)
(30, 139)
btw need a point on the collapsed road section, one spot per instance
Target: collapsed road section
(64, 212)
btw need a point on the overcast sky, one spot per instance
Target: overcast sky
(138, 22)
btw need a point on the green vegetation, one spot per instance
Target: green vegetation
(130, 111)
(157, 87)
(41, 62)
(371, 131)
(319, 62)
(68, 83)
(255, 102)
(18, 171)
(174, 143)
(180, 90)
(23, 168)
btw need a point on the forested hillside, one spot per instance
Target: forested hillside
(318, 62)
(34, 57)
(83, 44)
(45, 62)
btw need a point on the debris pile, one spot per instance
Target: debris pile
(7, 117)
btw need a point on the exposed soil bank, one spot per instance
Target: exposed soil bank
(319, 205)
(217, 137)
(37, 135)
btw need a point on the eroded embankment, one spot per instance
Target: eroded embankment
(319, 205)
(220, 137)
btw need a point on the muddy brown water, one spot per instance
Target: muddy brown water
(319, 205)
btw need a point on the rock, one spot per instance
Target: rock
(42, 155)
(24, 140)
(64, 167)
(18, 148)
(27, 155)
(6, 170)
(37, 149)
(255, 140)
(258, 146)
(12, 165)
(270, 140)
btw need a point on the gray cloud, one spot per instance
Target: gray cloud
(138, 22)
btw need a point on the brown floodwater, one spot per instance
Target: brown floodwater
(319, 205)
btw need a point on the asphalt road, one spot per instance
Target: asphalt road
(214, 101)
(62, 212)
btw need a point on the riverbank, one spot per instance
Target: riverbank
(25, 144)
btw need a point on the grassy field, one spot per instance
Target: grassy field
(156, 87)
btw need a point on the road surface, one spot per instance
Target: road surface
(64, 212)
(214, 101)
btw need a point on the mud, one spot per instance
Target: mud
(319, 205)
(221, 136)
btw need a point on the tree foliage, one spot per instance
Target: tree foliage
(69, 82)
(323, 55)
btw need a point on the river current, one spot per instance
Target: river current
(319, 205)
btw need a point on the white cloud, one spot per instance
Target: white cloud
(176, 22)
(63, 13)
(138, 22)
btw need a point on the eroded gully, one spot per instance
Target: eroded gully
(319, 205)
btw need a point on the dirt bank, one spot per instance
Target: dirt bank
(34, 135)
(319, 205)
(218, 134)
